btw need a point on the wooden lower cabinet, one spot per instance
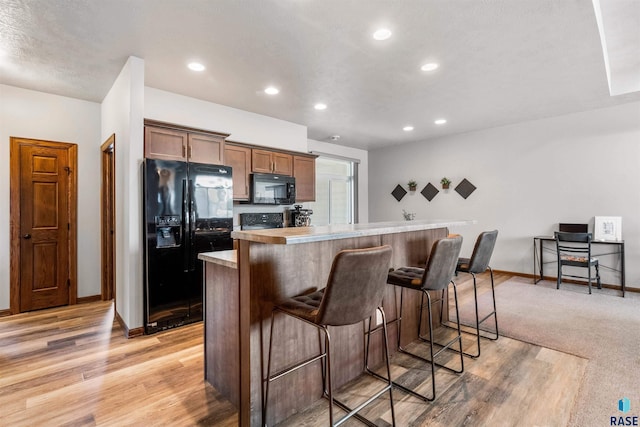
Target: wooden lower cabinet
(239, 158)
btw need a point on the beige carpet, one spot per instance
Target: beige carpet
(602, 327)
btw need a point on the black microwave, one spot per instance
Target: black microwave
(272, 189)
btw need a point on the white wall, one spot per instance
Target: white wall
(30, 114)
(242, 125)
(529, 177)
(319, 147)
(122, 114)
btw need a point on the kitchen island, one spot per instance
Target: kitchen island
(240, 288)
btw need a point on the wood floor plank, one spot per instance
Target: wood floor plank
(72, 366)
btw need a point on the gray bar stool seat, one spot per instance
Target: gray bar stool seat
(435, 277)
(354, 291)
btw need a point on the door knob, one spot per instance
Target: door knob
(27, 236)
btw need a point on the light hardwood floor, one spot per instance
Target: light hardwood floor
(72, 366)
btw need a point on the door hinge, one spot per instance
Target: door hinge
(69, 283)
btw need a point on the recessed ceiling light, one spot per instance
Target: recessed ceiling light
(430, 66)
(334, 137)
(320, 106)
(272, 90)
(382, 34)
(407, 128)
(440, 121)
(196, 66)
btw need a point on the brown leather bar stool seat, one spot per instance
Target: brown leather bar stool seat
(479, 263)
(435, 277)
(354, 291)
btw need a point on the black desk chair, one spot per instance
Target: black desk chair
(574, 250)
(435, 277)
(479, 263)
(354, 290)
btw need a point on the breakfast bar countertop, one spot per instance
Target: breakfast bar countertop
(227, 258)
(293, 235)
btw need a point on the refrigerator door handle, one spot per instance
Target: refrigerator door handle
(192, 231)
(186, 227)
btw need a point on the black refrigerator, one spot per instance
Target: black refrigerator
(188, 209)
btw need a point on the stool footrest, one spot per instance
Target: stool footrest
(405, 389)
(436, 354)
(354, 412)
(295, 367)
(447, 325)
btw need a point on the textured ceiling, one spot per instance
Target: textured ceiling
(501, 61)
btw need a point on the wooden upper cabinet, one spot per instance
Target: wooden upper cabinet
(165, 144)
(283, 164)
(239, 158)
(205, 149)
(264, 161)
(304, 170)
(168, 143)
(261, 161)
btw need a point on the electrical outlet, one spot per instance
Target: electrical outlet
(378, 318)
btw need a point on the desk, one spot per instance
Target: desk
(616, 246)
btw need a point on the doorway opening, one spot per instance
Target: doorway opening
(108, 220)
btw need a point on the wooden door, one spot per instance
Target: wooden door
(165, 144)
(206, 149)
(304, 170)
(43, 224)
(239, 158)
(108, 222)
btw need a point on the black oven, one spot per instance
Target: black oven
(272, 189)
(260, 221)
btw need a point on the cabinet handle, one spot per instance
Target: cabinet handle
(184, 151)
(190, 151)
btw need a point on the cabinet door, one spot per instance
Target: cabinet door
(261, 161)
(304, 170)
(282, 163)
(239, 158)
(206, 149)
(165, 144)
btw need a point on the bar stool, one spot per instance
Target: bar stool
(354, 290)
(479, 263)
(435, 277)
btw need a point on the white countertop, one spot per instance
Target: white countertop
(293, 235)
(226, 258)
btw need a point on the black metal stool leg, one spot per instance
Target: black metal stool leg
(327, 348)
(266, 391)
(388, 363)
(485, 318)
(495, 309)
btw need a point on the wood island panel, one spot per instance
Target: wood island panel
(222, 344)
(277, 264)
